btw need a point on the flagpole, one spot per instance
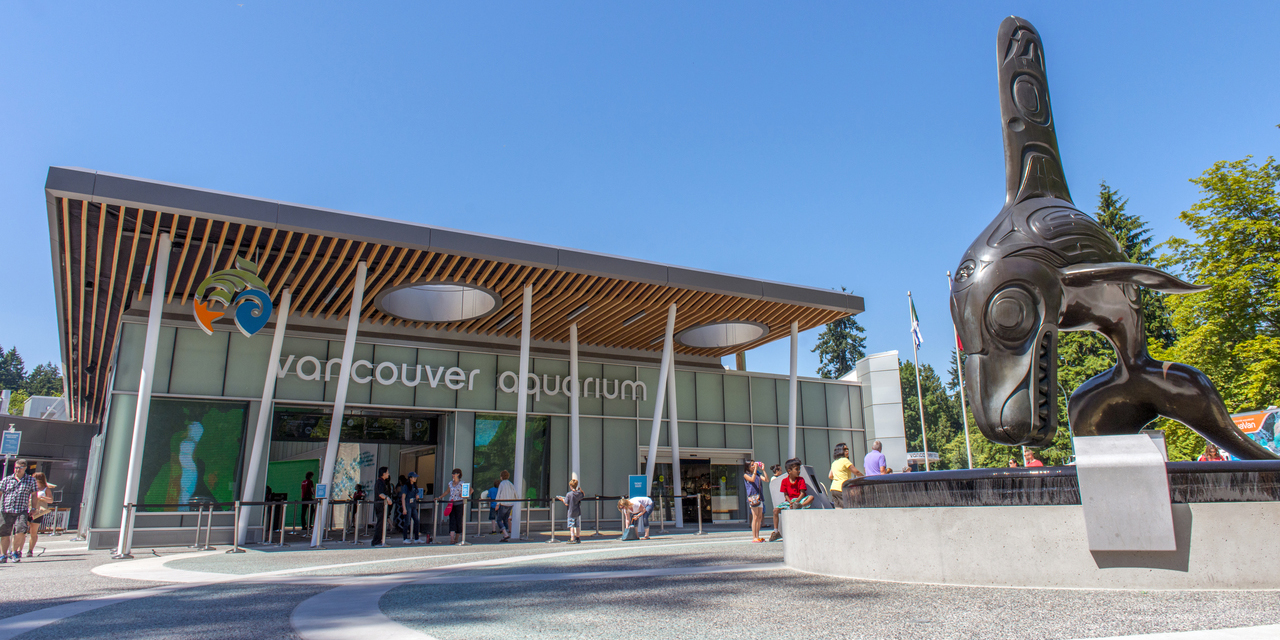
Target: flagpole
(964, 415)
(915, 357)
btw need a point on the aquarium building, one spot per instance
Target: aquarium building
(242, 325)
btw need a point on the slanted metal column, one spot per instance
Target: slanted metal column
(264, 415)
(159, 277)
(522, 407)
(794, 390)
(673, 423)
(663, 371)
(575, 459)
(339, 404)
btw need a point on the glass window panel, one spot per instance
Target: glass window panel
(837, 406)
(686, 396)
(816, 451)
(192, 453)
(724, 482)
(506, 401)
(855, 406)
(619, 455)
(766, 446)
(813, 404)
(495, 446)
(710, 435)
(591, 439)
(115, 462)
(164, 359)
(440, 395)
(551, 376)
(764, 401)
(650, 379)
(620, 406)
(357, 392)
(403, 360)
(689, 434)
(199, 362)
(247, 365)
(737, 436)
(710, 396)
(737, 398)
(292, 386)
(129, 356)
(592, 402)
(782, 390)
(483, 395)
(558, 446)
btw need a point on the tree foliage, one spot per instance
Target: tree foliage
(941, 412)
(840, 346)
(44, 380)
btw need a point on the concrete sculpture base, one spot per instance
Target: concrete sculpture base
(1219, 546)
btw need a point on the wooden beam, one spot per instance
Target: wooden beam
(186, 245)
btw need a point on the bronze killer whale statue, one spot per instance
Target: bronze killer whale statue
(1043, 266)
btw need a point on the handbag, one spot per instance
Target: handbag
(754, 500)
(40, 512)
(448, 508)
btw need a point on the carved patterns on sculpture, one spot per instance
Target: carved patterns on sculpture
(1042, 266)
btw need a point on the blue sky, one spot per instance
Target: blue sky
(817, 143)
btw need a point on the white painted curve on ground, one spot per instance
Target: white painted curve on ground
(1242, 633)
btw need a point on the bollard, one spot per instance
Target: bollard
(700, 514)
(235, 531)
(208, 530)
(355, 524)
(126, 532)
(552, 510)
(664, 513)
(195, 544)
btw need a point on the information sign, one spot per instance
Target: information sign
(638, 487)
(322, 491)
(9, 441)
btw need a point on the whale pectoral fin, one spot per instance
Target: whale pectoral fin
(1082, 275)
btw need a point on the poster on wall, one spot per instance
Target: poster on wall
(1261, 427)
(192, 454)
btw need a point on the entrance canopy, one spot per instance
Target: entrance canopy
(104, 228)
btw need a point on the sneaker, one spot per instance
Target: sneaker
(4, 558)
(17, 556)
(775, 536)
(29, 553)
(505, 539)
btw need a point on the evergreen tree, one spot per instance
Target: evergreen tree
(942, 414)
(13, 371)
(840, 346)
(44, 380)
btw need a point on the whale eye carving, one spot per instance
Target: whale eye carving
(965, 270)
(1011, 315)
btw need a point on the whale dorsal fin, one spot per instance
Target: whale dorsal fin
(1033, 168)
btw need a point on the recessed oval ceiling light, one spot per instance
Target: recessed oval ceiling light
(438, 302)
(722, 334)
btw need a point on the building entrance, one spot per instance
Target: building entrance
(715, 475)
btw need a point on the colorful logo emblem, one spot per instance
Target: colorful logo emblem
(240, 288)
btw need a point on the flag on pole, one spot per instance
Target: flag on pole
(915, 323)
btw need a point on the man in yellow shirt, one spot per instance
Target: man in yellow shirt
(841, 470)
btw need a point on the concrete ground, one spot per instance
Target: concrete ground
(675, 586)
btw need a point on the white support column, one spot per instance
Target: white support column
(522, 409)
(673, 423)
(264, 414)
(575, 458)
(663, 371)
(794, 390)
(339, 404)
(159, 278)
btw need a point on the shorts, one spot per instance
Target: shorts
(13, 524)
(793, 504)
(574, 521)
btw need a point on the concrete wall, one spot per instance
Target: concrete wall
(882, 405)
(1219, 546)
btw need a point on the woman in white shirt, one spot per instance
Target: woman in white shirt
(42, 498)
(506, 494)
(636, 511)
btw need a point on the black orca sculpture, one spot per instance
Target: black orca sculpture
(1042, 266)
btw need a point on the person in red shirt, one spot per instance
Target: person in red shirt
(1032, 460)
(1211, 454)
(794, 493)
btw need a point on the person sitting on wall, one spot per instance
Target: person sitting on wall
(794, 494)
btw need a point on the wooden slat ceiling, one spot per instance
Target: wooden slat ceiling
(108, 252)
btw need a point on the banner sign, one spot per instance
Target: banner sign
(1261, 426)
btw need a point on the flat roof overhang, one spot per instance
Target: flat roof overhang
(103, 230)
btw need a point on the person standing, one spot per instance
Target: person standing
(40, 504)
(409, 506)
(753, 476)
(381, 500)
(15, 504)
(875, 463)
(1031, 459)
(1211, 454)
(456, 497)
(841, 470)
(573, 508)
(492, 495)
(308, 511)
(505, 496)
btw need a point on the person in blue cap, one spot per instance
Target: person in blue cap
(409, 507)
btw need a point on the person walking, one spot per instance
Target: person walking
(381, 500)
(505, 496)
(308, 511)
(841, 470)
(456, 498)
(874, 462)
(492, 495)
(409, 506)
(753, 476)
(15, 505)
(40, 510)
(573, 508)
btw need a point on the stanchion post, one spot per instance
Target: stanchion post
(466, 508)
(125, 530)
(235, 531)
(435, 519)
(385, 508)
(284, 516)
(208, 531)
(700, 514)
(552, 511)
(195, 544)
(598, 503)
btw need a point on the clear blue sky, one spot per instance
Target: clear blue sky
(817, 143)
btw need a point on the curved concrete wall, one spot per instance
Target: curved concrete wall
(1219, 546)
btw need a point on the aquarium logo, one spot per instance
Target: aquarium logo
(240, 289)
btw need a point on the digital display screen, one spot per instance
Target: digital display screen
(192, 453)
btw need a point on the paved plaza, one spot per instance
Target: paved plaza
(675, 586)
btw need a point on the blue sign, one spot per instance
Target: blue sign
(638, 486)
(9, 443)
(466, 489)
(322, 491)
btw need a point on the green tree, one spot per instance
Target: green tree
(13, 371)
(1231, 332)
(942, 414)
(17, 402)
(840, 346)
(44, 380)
